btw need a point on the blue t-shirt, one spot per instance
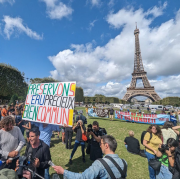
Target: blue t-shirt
(18, 118)
(46, 132)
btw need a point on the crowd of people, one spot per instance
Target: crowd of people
(161, 145)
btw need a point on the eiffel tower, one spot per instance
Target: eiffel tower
(139, 73)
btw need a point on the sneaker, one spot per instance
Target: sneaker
(70, 161)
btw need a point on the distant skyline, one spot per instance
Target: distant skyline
(92, 42)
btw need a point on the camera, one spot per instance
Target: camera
(163, 148)
(24, 164)
(89, 128)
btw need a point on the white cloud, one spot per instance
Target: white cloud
(91, 24)
(57, 10)
(9, 1)
(15, 25)
(95, 2)
(93, 66)
(168, 86)
(111, 3)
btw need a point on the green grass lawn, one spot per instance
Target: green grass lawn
(137, 166)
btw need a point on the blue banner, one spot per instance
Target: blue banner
(158, 119)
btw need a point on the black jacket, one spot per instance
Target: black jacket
(176, 169)
(43, 154)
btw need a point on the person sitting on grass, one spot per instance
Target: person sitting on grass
(132, 144)
(151, 145)
(166, 153)
(169, 131)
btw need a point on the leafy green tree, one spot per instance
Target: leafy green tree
(11, 82)
(99, 95)
(13, 99)
(79, 95)
(43, 80)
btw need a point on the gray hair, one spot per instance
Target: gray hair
(111, 141)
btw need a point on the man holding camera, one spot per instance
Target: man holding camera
(97, 169)
(96, 134)
(38, 152)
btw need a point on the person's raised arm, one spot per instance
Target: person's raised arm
(82, 130)
(74, 126)
(175, 128)
(98, 139)
(170, 158)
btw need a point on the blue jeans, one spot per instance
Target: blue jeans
(152, 173)
(164, 173)
(46, 174)
(75, 148)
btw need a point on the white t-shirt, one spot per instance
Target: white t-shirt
(168, 133)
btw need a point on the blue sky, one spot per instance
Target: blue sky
(92, 42)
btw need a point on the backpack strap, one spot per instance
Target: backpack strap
(108, 169)
(150, 136)
(122, 172)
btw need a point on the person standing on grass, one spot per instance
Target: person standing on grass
(27, 126)
(86, 111)
(40, 153)
(152, 145)
(45, 135)
(96, 134)
(111, 111)
(69, 133)
(18, 120)
(3, 112)
(11, 143)
(81, 117)
(97, 169)
(79, 129)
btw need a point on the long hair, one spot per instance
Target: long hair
(168, 124)
(172, 143)
(158, 133)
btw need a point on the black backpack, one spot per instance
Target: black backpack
(108, 169)
(103, 130)
(175, 170)
(142, 136)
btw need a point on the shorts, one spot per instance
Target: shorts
(63, 130)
